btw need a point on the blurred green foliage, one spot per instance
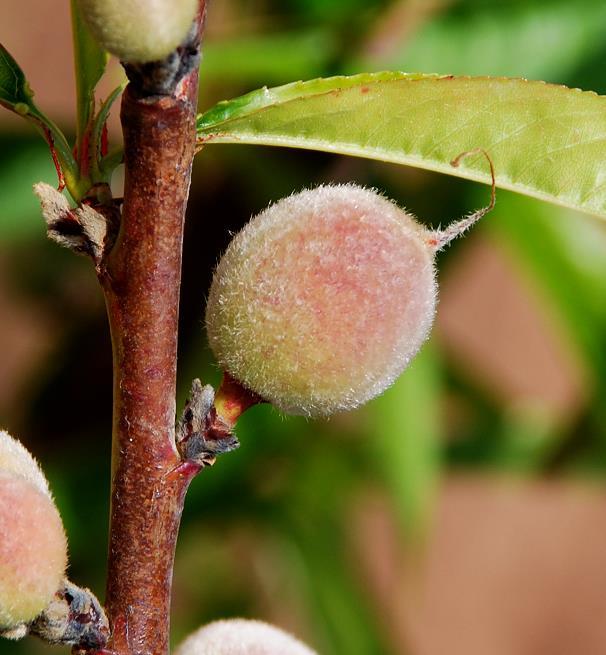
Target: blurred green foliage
(269, 528)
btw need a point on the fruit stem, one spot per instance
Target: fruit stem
(232, 400)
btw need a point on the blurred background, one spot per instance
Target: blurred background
(463, 512)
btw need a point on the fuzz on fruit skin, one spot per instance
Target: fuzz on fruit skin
(323, 299)
(33, 550)
(241, 637)
(16, 459)
(139, 31)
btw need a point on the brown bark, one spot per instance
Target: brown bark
(141, 281)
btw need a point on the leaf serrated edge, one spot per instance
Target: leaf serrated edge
(255, 102)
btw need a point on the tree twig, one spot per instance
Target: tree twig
(141, 280)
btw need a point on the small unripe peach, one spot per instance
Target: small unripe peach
(323, 299)
(241, 637)
(33, 550)
(139, 31)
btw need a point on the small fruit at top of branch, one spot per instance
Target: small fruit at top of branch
(241, 637)
(33, 552)
(323, 299)
(139, 31)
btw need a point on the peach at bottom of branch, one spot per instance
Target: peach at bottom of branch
(241, 637)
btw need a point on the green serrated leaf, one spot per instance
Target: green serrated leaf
(16, 95)
(545, 141)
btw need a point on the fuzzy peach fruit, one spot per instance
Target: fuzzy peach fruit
(33, 550)
(139, 31)
(16, 459)
(241, 637)
(322, 300)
